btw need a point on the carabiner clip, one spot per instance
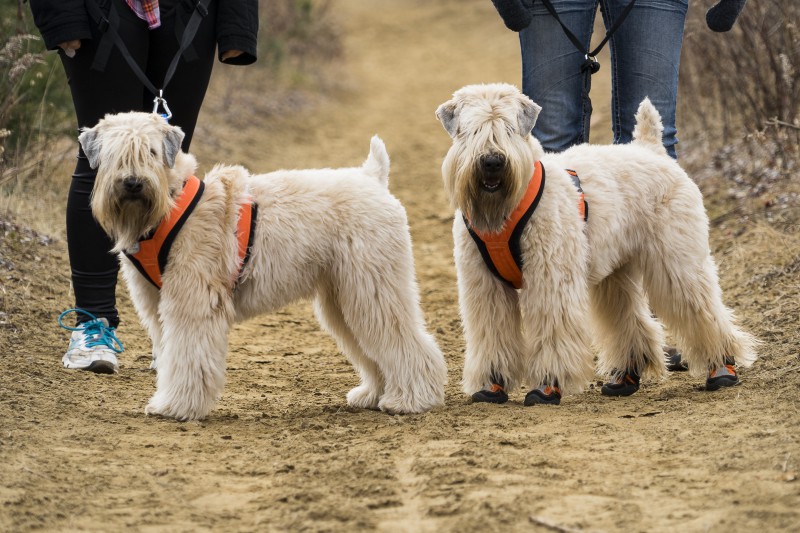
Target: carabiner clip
(159, 100)
(590, 63)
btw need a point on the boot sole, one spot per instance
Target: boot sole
(626, 390)
(535, 399)
(481, 397)
(720, 382)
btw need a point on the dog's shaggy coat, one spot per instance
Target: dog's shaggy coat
(646, 241)
(336, 235)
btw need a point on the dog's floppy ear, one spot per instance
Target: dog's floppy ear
(90, 145)
(528, 113)
(448, 117)
(173, 137)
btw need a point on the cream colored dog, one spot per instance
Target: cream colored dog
(645, 241)
(336, 235)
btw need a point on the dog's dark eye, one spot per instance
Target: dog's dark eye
(153, 152)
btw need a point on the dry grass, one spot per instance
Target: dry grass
(737, 82)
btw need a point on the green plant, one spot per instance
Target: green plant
(34, 101)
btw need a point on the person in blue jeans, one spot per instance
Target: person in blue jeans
(644, 38)
(645, 54)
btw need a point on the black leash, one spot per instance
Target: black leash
(108, 27)
(590, 61)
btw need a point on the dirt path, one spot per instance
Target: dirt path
(282, 452)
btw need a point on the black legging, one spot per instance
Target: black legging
(115, 90)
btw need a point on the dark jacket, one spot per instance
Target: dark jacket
(720, 17)
(67, 20)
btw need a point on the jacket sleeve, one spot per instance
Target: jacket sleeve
(60, 21)
(514, 13)
(237, 29)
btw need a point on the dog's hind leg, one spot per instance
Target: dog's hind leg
(191, 366)
(681, 281)
(380, 303)
(329, 314)
(629, 338)
(686, 295)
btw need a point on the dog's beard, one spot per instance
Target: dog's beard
(488, 199)
(128, 218)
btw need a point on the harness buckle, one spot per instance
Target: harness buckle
(202, 9)
(159, 100)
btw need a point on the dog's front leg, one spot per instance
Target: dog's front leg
(555, 306)
(145, 297)
(191, 364)
(491, 320)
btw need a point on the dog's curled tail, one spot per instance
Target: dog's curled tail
(649, 130)
(377, 163)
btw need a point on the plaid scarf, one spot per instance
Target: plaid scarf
(148, 11)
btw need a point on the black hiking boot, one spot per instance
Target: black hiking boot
(622, 384)
(496, 394)
(675, 362)
(724, 376)
(546, 394)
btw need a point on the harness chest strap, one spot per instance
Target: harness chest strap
(501, 251)
(150, 259)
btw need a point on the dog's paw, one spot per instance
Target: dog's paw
(363, 397)
(160, 406)
(400, 405)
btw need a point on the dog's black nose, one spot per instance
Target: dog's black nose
(132, 185)
(494, 162)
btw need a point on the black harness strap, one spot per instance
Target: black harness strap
(250, 241)
(163, 254)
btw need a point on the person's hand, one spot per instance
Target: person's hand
(514, 13)
(723, 14)
(69, 47)
(230, 54)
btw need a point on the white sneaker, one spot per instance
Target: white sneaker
(93, 345)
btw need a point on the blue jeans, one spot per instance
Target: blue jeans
(645, 56)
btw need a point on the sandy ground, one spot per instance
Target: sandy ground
(282, 452)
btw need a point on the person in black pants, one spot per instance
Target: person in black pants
(101, 82)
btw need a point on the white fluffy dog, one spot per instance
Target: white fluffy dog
(645, 240)
(336, 235)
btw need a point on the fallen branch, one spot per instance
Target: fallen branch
(776, 122)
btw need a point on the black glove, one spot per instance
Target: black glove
(723, 14)
(515, 15)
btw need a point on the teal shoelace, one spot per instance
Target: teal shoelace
(96, 332)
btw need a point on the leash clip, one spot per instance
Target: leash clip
(167, 114)
(591, 63)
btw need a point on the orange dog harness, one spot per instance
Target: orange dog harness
(150, 259)
(501, 251)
